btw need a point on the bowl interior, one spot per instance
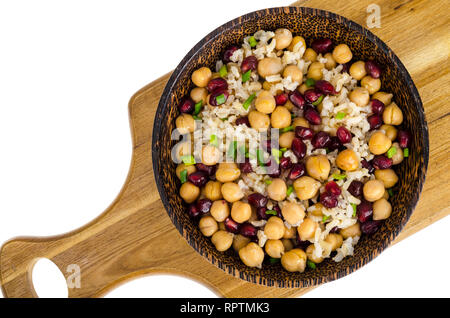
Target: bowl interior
(310, 23)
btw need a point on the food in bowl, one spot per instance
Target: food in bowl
(290, 150)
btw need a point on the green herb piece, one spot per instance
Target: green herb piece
(232, 150)
(318, 101)
(220, 99)
(271, 212)
(196, 117)
(337, 176)
(310, 82)
(260, 157)
(340, 115)
(290, 189)
(183, 176)
(325, 218)
(276, 153)
(198, 107)
(268, 181)
(311, 265)
(213, 140)
(188, 160)
(391, 152)
(354, 208)
(252, 41)
(224, 119)
(273, 260)
(246, 76)
(406, 152)
(390, 192)
(248, 101)
(223, 71)
(288, 128)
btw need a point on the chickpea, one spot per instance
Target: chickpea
(277, 190)
(252, 255)
(303, 88)
(358, 70)
(315, 70)
(300, 121)
(269, 66)
(286, 139)
(387, 176)
(294, 42)
(306, 187)
(184, 148)
(373, 190)
(280, 118)
(307, 229)
(190, 169)
(392, 115)
(259, 121)
(213, 190)
(294, 260)
(347, 160)
(318, 167)
(290, 233)
(199, 94)
(330, 63)
(373, 85)
(202, 76)
(398, 156)
(310, 55)
(294, 72)
(210, 155)
(383, 97)
(268, 87)
(265, 102)
(231, 192)
(208, 226)
(220, 210)
(241, 211)
(360, 96)
(189, 192)
(274, 228)
(227, 172)
(318, 210)
(351, 231)
(390, 131)
(379, 143)
(289, 105)
(240, 241)
(283, 38)
(335, 240)
(386, 195)
(292, 212)
(382, 209)
(288, 245)
(342, 54)
(274, 248)
(185, 123)
(222, 240)
(310, 253)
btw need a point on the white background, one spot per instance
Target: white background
(67, 71)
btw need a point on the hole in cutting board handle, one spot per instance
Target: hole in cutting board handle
(48, 281)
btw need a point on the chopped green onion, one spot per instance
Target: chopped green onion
(390, 192)
(318, 101)
(276, 153)
(232, 150)
(271, 212)
(273, 260)
(246, 76)
(213, 140)
(188, 160)
(283, 149)
(337, 176)
(310, 82)
(252, 41)
(223, 71)
(325, 218)
(354, 208)
(290, 189)
(260, 157)
(340, 115)
(224, 119)
(198, 107)
(268, 181)
(220, 99)
(183, 176)
(288, 128)
(248, 101)
(406, 152)
(311, 265)
(391, 152)
(196, 117)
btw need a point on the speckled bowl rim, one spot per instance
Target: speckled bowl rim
(164, 101)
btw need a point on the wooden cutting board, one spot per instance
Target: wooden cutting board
(134, 236)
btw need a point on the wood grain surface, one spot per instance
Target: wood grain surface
(134, 236)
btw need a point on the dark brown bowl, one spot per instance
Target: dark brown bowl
(310, 23)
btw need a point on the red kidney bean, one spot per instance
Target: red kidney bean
(370, 227)
(333, 188)
(297, 99)
(242, 121)
(257, 200)
(356, 188)
(321, 140)
(343, 135)
(377, 106)
(210, 170)
(186, 105)
(247, 230)
(273, 168)
(334, 230)
(367, 165)
(346, 67)
(381, 162)
(325, 87)
(231, 225)
(403, 138)
(277, 209)
(334, 144)
(198, 178)
(217, 84)
(322, 45)
(246, 167)
(312, 116)
(261, 213)
(303, 132)
(193, 211)
(301, 244)
(328, 200)
(285, 163)
(373, 69)
(375, 121)
(311, 95)
(214, 95)
(298, 170)
(204, 205)
(228, 53)
(249, 63)
(298, 148)
(281, 99)
(364, 211)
